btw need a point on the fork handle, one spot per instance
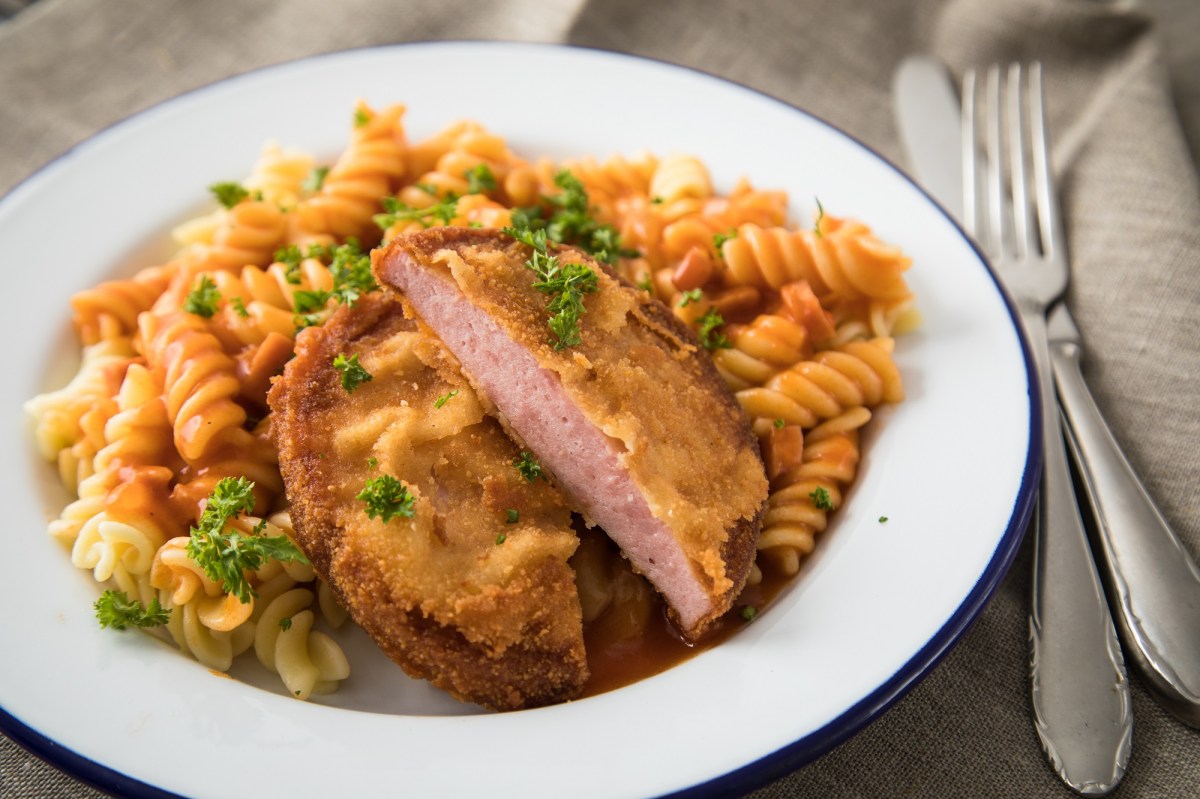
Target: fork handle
(1081, 702)
(1153, 582)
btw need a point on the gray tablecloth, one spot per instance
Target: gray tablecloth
(1124, 82)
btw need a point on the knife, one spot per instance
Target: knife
(1152, 583)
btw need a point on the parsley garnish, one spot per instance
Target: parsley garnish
(351, 272)
(646, 284)
(290, 257)
(820, 217)
(372, 462)
(529, 468)
(749, 612)
(115, 609)
(710, 337)
(442, 400)
(656, 200)
(387, 497)
(565, 283)
(229, 193)
(307, 320)
(429, 188)
(226, 557)
(203, 299)
(512, 516)
(780, 424)
(527, 218)
(315, 179)
(353, 373)
(395, 211)
(883, 520)
(239, 307)
(285, 623)
(306, 301)
(572, 221)
(720, 238)
(690, 296)
(480, 179)
(361, 117)
(500, 539)
(821, 499)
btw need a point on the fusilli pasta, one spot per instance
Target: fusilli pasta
(169, 400)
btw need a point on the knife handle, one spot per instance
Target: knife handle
(1153, 584)
(1081, 704)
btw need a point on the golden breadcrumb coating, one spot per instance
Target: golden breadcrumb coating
(482, 607)
(639, 376)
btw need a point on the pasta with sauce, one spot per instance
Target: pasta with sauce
(169, 400)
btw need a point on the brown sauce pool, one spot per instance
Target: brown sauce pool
(617, 660)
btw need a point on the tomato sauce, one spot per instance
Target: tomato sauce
(616, 661)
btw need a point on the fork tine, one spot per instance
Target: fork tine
(1016, 163)
(970, 211)
(995, 171)
(1048, 218)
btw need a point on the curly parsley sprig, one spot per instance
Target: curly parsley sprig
(354, 374)
(528, 467)
(385, 497)
(203, 300)
(229, 193)
(350, 269)
(396, 211)
(227, 556)
(571, 221)
(565, 283)
(480, 179)
(711, 337)
(821, 499)
(115, 609)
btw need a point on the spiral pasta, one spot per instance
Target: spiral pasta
(280, 174)
(307, 660)
(215, 626)
(370, 169)
(458, 153)
(170, 398)
(199, 382)
(110, 310)
(803, 495)
(680, 176)
(856, 374)
(248, 233)
(58, 415)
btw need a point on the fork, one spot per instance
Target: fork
(1080, 694)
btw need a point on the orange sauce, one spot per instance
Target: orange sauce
(616, 661)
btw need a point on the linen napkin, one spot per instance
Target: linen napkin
(1131, 205)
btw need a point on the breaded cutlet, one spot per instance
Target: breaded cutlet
(473, 592)
(633, 421)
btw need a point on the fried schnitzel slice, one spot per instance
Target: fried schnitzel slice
(473, 592)
(634, 422)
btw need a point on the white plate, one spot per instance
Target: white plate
(952, 467)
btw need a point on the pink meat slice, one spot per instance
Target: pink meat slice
(586, 462)
(583, 459)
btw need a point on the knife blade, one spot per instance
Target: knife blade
(1152, 583)
(927, 114)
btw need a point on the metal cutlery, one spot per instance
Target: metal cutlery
(1153, 583)
(1081, 704)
